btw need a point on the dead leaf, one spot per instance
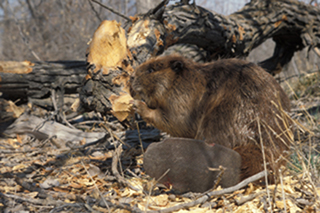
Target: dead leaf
(32, 194)
(121, 106)
(241, 32)
(49, 183)
(280, 204)
(76, 185)
(13, 142)
(95, 171)
(17, 111)
(250, 189)
(161, 200)
(19, 167)
(61, 189)
(19, 139)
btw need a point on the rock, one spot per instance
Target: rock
(191, 165)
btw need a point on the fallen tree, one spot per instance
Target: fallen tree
(196, 33)
(39, 82)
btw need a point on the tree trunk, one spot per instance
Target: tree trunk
(36, 81)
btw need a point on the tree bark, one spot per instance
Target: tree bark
(36, 81)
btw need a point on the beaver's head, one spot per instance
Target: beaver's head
(154, 79)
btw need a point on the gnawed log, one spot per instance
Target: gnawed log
(36, 81)
(108, 56)
(293, 25)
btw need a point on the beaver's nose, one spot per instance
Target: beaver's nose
(138, 89)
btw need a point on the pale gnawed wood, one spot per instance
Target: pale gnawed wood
(108, 47)
(109, 55)
(16, 67)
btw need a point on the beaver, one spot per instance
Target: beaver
(230, 102)
(191, 165)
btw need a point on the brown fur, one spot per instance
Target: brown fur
(220, 102)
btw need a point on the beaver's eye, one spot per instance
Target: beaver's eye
(150, 70)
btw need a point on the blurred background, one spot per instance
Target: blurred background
(43, 30)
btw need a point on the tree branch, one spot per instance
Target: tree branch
(112, 10)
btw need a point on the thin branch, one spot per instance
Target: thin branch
(298, 76)
(97, 188)
(95, 11)
(317, 51)
(114, 168)
(248, 198)
(23, 36)
(264, 163)
(114, 136)
(112, 10)
(282, 191)
(32, 200)
(140, 137)
(208, 195)
(61, 208)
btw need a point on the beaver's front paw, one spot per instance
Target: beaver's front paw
(140, 107)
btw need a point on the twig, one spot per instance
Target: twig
(60, 208)
(300, 75)
(54, 103)
(50, 139)
(20, 151)
(139, 135)
(31, 188)
(113, 135)
(95, 185)
(33, 201)
(317, 51)
(94, 10)
(151, 187)
(264, 163)
(221, 172)
(248, 198)
(57, 111)
(112, 10)
(114, 168)
(282, 191)
(238, 186)
(206, 196)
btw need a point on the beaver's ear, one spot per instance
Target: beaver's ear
(176, 65)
